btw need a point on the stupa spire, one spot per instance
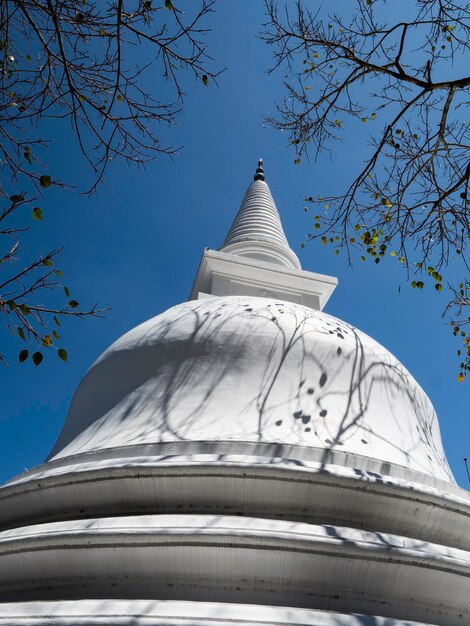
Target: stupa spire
(257, 232)
(256, 259)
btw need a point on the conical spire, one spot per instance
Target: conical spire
(256, 259)
(256, 231)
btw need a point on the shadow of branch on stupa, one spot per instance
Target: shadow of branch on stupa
(253, 369)
(139, 613)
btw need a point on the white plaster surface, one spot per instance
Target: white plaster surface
(341, 540)
(99, 485)
(224, 274)
(177, 613)
(225, 558)
(255, 370)
(258, 222)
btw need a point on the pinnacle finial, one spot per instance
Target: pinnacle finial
(259, 171)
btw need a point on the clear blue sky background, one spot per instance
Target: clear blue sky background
(135, 246)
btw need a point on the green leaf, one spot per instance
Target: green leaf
(27, 156)
(168, 5)
(205, 80)
(73, 304)
(47, 262)
(55, 334)
(67, 292)
(438, 287)
(37, 358)
(62, 354)
(37, 213)
(120, 98)
(28, 58)
(56, 320)
(58, 273)
(16, 198)
(23, 355)
(24, 309)
(45, 181)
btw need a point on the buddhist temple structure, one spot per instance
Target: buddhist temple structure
(241, 459)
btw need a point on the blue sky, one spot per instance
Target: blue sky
(136, 244)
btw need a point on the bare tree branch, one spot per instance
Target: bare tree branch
(410, 198)
(75, 62)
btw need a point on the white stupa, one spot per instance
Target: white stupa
(241, 459)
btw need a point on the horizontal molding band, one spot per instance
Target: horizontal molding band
(177, 613)
(227, 558)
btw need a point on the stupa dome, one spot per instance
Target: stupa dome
(241, 458)
(258, 370)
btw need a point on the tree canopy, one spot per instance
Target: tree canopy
(99, 68)
(405, 84)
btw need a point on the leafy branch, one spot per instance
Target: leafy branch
(22, 290)
(100, 68)
(410, 198)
